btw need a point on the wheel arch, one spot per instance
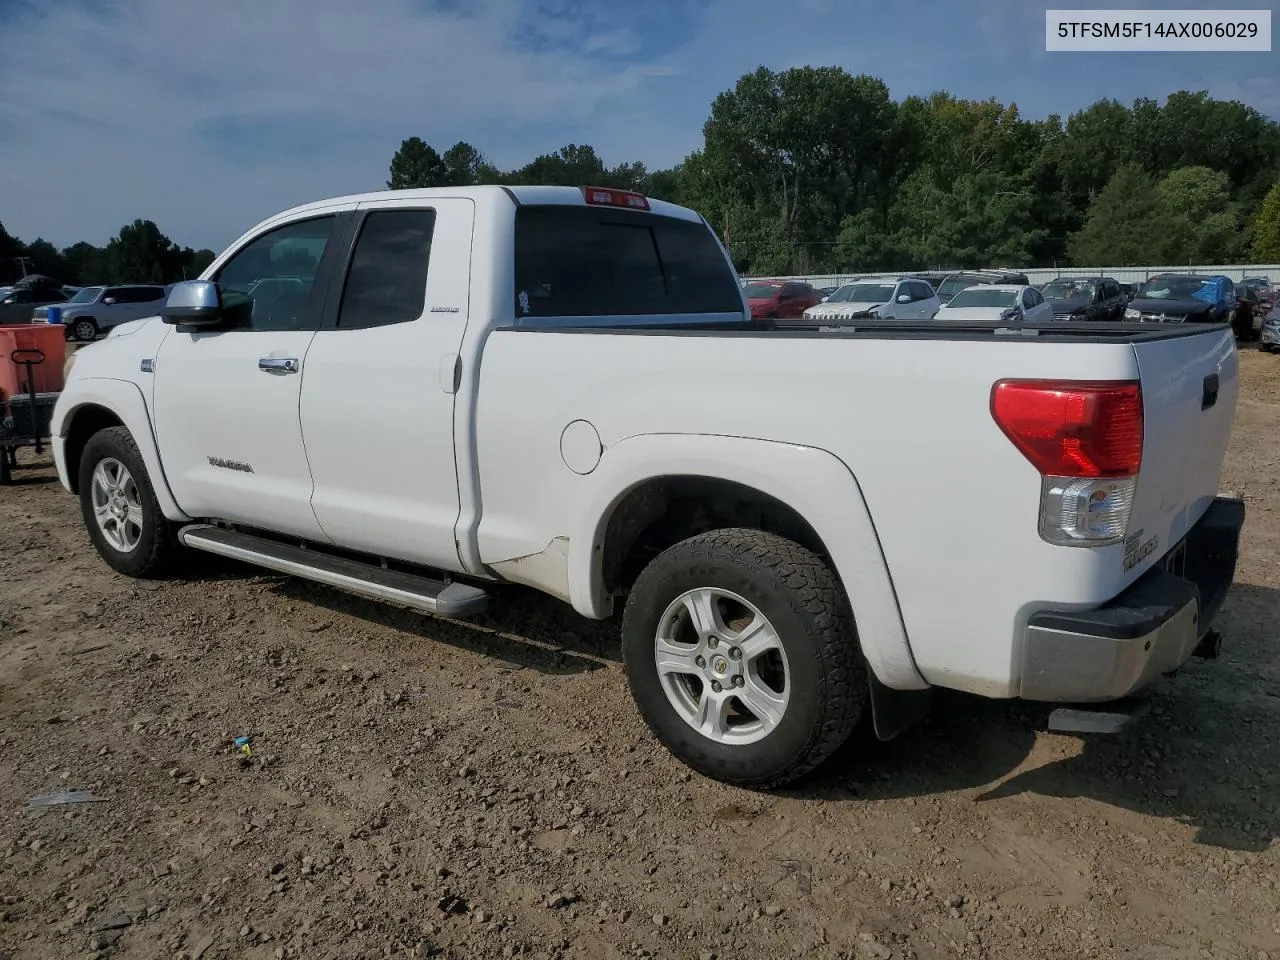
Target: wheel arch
(95, 404)
(804, 493)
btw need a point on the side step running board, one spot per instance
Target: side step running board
(406, 589)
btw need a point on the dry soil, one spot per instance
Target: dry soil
(419, 787)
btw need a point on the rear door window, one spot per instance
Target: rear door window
(598, 262)
(387, 280)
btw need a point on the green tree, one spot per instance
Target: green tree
(1197, 201)
(570, 166)
(1127, 224)
(666, 185)
(45, 259)
(86, 264)
(464, 165)
(805, 148)
(416, 164)
(1266, 229)
(140, 253)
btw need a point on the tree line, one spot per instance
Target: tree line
(139, 253)
(816, 170)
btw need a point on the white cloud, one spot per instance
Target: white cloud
(120, 112)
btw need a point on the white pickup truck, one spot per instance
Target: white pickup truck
(422, 394)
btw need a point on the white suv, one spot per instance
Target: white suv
(879, 298)
(95, 309)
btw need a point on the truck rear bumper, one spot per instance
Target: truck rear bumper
(1153, 627)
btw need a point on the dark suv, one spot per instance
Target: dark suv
(1086, 298)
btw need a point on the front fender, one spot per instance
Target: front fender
(124, 399)
(813, 482)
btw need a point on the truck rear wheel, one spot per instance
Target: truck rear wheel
(742, 656)
(119, 506)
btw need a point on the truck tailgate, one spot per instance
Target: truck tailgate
(1189, 389)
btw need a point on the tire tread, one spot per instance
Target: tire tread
(819, 594)
(160, 555)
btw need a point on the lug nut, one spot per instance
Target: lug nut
(699, 661)
(715, 685)
(735, 653)
(712, 642)
(737, 681)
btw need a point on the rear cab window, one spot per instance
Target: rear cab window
(604, 263)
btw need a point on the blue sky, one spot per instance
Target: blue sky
(208, 117)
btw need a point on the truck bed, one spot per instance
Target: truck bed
(907, 408)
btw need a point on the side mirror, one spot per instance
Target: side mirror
(196, 303)
(904, 298)
(108, 300)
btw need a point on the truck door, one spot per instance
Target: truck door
(377, 402)
(226, 400)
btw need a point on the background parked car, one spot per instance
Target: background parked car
(95, 309)
(879, 298)
(1262, 289)
(1269, 335)
(22, 298)
(1179, 298)
(1246, 317)
(1085, 298)
(1004, 302)
(933, 278)
(776, 300)
(953, 283)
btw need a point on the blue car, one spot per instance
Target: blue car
(1220, 293)
(1183, 298)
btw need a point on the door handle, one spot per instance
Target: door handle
(280, 364)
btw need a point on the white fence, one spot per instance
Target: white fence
(1038, 275)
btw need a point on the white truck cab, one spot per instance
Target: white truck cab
(415, 395)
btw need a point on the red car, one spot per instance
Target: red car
(778, 300)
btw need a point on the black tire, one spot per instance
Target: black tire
(86, 329)
(802, 599)
(156, 551)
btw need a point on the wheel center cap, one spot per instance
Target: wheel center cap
(720, 665)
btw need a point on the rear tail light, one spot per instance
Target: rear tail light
(1085, 439)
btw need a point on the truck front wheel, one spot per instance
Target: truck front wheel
(742, 656)
(120, 509)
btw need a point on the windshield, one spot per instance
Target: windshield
(951, 286)
(761, 291)
(842, 294)
(87, 295)
(984, 297)
(866, 293)
(1068, 290)
(1171, 288)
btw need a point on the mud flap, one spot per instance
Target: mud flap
(895, 711)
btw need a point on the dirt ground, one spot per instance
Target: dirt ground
(419, 787)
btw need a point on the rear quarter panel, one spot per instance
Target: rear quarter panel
(954, 505)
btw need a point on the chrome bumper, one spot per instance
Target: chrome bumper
(1093, 656)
